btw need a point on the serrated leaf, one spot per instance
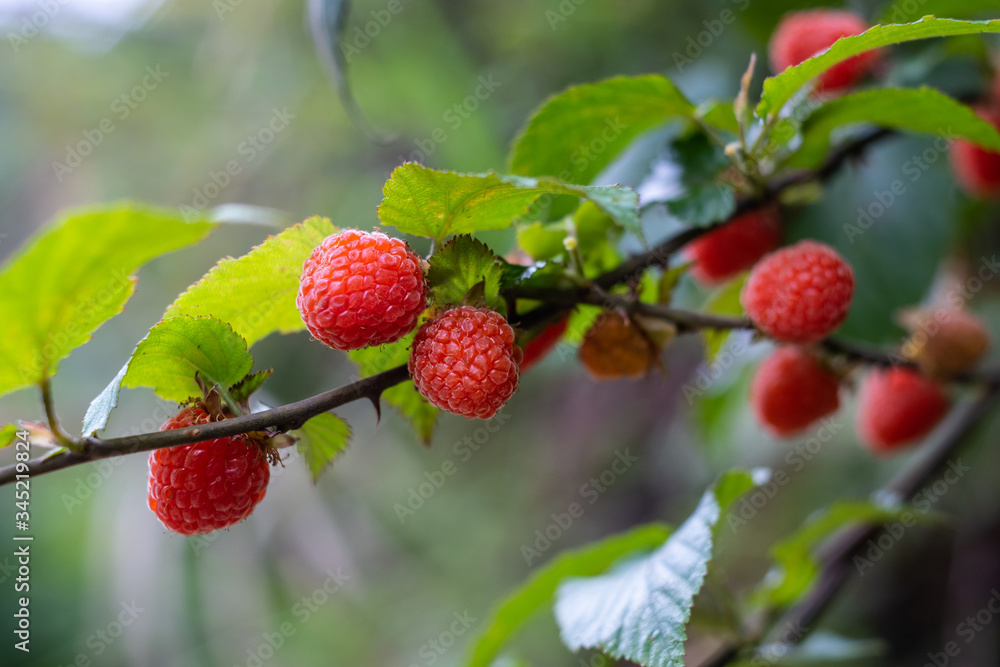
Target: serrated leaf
(924, 111)
(321, 440)
(404, 397)
(718, 114)
(639, 611)
(593, 559)
(242, 390)
(704, 204)
(460, 265)
(703, 200)
(726, 301)
(780, 88)
(256, 293)
(437, 204)
(577, 133)
(168, 359)
(73, 277)
(7, 435)
(797, 569)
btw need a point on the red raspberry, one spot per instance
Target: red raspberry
(734, 247)
(792, 389)
(799, 294)
(542, 344)
(360, 289)
(465, 361)
(976, 169)
(208, 485)
(802, 35)
(897, 406)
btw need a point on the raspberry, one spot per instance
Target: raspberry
(792, 389)
(897, 406)
(360, 289)
(615, 347)
(542, 344)
(976, 169)
(945, 341)
(801, 35)
(799, 294)
(465, 362)
(207, 485)
(734, 247)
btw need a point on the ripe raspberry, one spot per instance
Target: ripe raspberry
(802, 35)
(734, 247)
(976, 169)
(897, 406)
(792, 389)
(614, 347)
(542, 344)
(208, 485)
(945, 341)
(465, 362)
(360, 289)
(799, 294)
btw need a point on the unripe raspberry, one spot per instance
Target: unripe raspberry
(734, 247)
(976, 169)
(360, 289)
(896, 407)
(208, 485)
(799, 294)
(614, 347)
(465, 362)
(791, 390)
(802, 35)
(539, 346)
(945, 341)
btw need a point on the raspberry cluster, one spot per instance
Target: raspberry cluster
(802, 35)
(360, 289)
(207, 485)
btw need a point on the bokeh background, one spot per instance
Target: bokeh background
(335, 573)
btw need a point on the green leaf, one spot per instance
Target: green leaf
(244, 389)
(459, 266)
(704, 204)
(905, 12)
(780, 88)
(797, 569)
(404, 397)
(79, 273)
(726, 301)
(719, 115)
(7, 435)
(704, 199)
(577, 133)
(925, 111)
(436, 204)
(593, 559)
(638, 612)
(256, 293)
(321, 440)
(169, 357)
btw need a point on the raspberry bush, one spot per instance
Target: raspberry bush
(732, 296)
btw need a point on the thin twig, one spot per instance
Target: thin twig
(64, 438)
